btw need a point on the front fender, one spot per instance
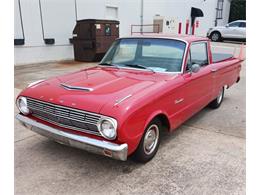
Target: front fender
(132, 129)
(154, 114)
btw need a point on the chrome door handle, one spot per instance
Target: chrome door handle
(214, 70)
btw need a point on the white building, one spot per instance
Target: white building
(36, 20)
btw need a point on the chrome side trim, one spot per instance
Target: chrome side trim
(179, 101)
(105, 148)
(69, 87)
(122, 99)
(214, 70)
(34, 84)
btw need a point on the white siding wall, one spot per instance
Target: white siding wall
(31, 23)
(18, 33)
(129, 13)
(180, 9)
(59, 18)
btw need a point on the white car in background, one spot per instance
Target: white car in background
(233, 30)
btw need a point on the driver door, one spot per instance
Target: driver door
(197, 87)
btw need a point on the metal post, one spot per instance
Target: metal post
(142, 16)
(40, 7)
(216, 20)
(76, 12)
(21, 18)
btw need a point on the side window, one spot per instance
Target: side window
(234, 24)
(242, 25)
(199, 54)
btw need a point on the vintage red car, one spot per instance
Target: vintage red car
(144, 85)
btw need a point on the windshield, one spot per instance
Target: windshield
(159, 55)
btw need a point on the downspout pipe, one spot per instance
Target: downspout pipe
(48, 41)
(21, 18)
(216, 19)
(20, 41)
(76, 11)
(142, 16)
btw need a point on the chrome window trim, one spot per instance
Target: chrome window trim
(147, 70)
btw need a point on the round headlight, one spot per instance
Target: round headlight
(22, 105)
(107, 128)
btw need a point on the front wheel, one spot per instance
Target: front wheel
(215, 36)
(217, 102)
(149, 143)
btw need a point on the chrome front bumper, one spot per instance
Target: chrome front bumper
(105, 148)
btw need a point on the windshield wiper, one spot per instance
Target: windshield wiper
(108, 64)
(139, 66)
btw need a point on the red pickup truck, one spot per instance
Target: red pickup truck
(144, 85)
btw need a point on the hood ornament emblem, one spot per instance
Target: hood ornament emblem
(69, 87)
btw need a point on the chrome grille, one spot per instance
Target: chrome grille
(65, 117)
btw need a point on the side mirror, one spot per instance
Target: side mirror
(195, 68)
(227, 25)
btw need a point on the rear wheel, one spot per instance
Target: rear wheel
(149, 143)
(217, 102)
(215, 36)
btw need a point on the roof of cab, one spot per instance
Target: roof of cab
(186, 38)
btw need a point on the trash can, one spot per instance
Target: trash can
(92, 38)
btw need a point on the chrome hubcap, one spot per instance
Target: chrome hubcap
(215, 37)
(151, 139)
(220, 96)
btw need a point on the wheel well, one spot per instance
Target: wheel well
(215, 31)
(164, 120)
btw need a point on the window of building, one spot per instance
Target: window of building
(219, 8)
(111, 12)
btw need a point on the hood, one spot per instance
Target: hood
(91, 89)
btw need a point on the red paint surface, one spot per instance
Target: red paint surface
(193, 29)
(187, 27)
(197, 24)
(180, 24)
(152, 93)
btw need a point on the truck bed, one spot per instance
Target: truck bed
(219, 57)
